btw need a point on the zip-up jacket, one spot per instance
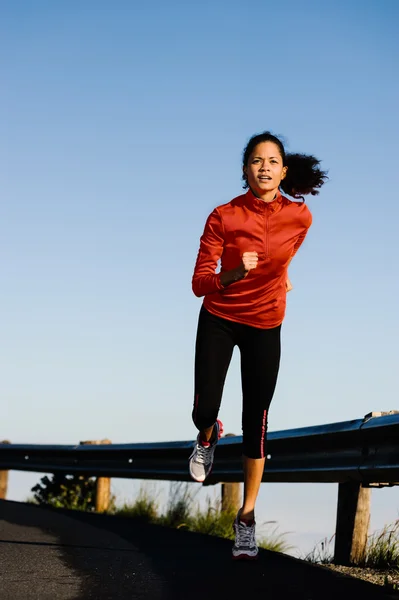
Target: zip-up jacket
(275, 230)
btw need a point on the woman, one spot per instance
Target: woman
(256, 236)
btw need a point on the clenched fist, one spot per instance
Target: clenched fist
(249, 261)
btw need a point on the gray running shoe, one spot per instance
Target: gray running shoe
(201, 460)
(245, 547)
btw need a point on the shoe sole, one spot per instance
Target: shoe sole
(245, 557)
(200, 480)
(196, 478)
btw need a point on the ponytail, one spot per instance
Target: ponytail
(303, 176)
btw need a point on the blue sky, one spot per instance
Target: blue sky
(122, 128)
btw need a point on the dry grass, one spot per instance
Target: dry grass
(381, 561)
(181, 512)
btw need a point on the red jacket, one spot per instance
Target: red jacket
(274, 230)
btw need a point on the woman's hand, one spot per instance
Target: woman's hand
(249, 261)
(288, 285)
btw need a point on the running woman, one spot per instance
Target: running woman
(255, 236)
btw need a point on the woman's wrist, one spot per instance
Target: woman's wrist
(229, 277)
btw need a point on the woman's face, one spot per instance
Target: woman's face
(265, 169)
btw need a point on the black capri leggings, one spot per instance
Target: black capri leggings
(260, 359)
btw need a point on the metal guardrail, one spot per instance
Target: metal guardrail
(364, 450)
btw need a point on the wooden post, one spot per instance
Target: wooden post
(231, 493)
(231, 497)
(353, 519)
(3, 479)
(103, 484)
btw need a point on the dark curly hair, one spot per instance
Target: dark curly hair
(303, 174)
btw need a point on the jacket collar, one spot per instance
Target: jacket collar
(260, 205)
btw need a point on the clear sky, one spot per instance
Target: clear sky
(122, 127)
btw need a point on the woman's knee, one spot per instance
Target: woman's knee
(203, 419)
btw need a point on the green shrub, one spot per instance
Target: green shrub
(145, 508)
(213, 521)
(76, 492)
(178, 509)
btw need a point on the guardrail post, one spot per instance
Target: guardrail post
(3, 479)
(231, 497)
(103, 485)
(231, 493)
(353, 519)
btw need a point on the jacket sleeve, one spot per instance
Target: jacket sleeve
(307, 221)
(205, 280)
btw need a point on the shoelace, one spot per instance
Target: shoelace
(203, 454)
(245, 535)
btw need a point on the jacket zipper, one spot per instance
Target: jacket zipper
(267, 246)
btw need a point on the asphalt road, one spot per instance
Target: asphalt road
(64, 555)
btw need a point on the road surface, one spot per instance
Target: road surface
(64, 555)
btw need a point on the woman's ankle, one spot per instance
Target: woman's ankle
(206, 434)
(246, 515)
